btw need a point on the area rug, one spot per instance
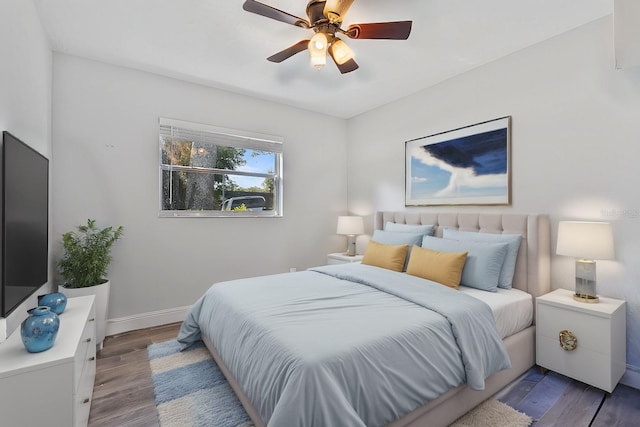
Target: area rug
(190, 389)
(192, 392)
(495, 414)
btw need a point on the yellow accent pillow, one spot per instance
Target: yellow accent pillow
(391, 257)
(442, 267)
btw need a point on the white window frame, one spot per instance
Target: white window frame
(225, 137)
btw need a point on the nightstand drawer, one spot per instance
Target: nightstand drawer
(593, 332)
(582, 364)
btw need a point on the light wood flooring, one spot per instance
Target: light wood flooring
(123, 393)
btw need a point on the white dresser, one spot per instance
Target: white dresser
(594, 337)
(52, 388)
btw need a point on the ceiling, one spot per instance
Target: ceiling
(216, 43)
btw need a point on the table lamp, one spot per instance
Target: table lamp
(350, 226)
(586, 242)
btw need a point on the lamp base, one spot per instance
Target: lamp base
(351, 245)
(586, 281)
(586, 298)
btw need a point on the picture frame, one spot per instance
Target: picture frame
(470, 165)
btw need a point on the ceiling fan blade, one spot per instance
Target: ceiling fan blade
(335, 10)
(289, 52)
(346, 67)
(399, 30)
(273, 13)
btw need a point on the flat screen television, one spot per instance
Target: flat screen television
(24, 253)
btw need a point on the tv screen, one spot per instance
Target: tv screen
(25, 222)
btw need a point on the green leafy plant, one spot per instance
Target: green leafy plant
(87, 254)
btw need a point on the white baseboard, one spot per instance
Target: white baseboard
(146, 320)
(631, 377)
(3, 329)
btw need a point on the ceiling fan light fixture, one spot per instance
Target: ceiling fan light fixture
(335, 10)
(318, 50)
(325, 19)
(341, 52)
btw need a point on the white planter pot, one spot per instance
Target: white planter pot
(101, 293)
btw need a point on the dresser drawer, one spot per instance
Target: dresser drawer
(84, 393)
(86, 349)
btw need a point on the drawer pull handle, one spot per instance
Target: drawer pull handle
(568, 341)
(86, 400)
(87, 340)
(92, 358)
(93, 319)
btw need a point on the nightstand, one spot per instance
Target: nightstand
(341, 258)
(583, 341)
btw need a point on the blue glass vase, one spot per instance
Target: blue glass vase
(56, 301)
(39, 330)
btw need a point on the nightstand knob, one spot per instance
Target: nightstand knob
(568, 341)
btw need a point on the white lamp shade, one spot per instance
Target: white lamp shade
(350, 225)
(585, 240)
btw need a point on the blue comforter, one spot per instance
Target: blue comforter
(347, 345)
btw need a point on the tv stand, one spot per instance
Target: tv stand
(52, 388)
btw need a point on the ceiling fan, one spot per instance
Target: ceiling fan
(325, 19)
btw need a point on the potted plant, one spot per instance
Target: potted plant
(84, 265)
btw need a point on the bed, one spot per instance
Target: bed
(263, 364)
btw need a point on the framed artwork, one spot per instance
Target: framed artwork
(464, 166)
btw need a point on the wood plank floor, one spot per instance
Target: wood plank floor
(123, 393)
(554, 400)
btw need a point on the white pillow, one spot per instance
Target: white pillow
(513, 245)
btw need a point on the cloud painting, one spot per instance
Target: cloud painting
(469, 165)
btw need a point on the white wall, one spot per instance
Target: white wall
(25, 97)
(105, 150)
(575, 146)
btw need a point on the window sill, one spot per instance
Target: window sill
(217, 214)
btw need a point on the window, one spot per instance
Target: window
(210, 171)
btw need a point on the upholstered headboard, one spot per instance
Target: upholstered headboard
(533, 267)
